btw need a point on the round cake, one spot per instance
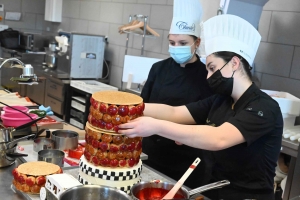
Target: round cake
(111, 150)
(31, 176)
(110, 108)
(110, 158)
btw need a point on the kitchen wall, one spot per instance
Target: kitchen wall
(277, 64)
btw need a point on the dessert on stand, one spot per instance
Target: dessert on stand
(111, 159)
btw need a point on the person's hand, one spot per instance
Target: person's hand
(140, 127)
(178, 143)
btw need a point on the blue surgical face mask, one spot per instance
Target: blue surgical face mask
(181, 54)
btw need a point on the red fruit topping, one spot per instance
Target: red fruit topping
(15, 173)
(22, 178)
(116, 129)
(114, 163)
(95, 104)
(95, 160)
(139, 110)
(122, 163)
(95, 143)
(138, 145)
(131, 146)
(104, 162)
(92, 100)
(112, 110)
(94, 121)
(132, 110)
(103, 108)
(123, 110)
(131, 162)
(123, 147)
(113, 148)
(87, 155)
(102, 124)
(41, 180)
(30, 181)
(103, 146)
(109, 126)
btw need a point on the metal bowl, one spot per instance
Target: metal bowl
(92, 192)
(54, 156)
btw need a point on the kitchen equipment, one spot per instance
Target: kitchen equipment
(157, 190)
(65, 139)
(42, 144)
(60, 181)
(91, 192)
(32, 41)
(81, 55)
(178, 185)
(8, 156)
(51, 55)
(54, 156)
(17, 119)
(14, 142)
(6, 134)
(15, 109)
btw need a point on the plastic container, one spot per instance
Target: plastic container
(16, 119)
(11, 110)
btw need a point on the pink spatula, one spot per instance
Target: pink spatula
(178, 185)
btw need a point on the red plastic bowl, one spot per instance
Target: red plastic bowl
(10, 110)
(16, 119)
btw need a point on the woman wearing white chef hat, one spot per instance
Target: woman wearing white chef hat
(243, 126)
(175, 81)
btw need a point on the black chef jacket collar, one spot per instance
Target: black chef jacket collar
(245, 97)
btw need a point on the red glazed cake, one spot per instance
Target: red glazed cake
(31, 176)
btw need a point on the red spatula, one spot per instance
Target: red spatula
(178, 185)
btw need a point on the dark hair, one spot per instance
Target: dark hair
(227, 56)
(194, 37)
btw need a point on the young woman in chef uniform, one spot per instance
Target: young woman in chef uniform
(175, 81)
(243, 125)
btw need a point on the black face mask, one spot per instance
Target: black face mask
(220, 84)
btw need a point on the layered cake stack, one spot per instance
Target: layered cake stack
(111, 159)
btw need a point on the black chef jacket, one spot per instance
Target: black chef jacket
(250, 166)
(171, 84)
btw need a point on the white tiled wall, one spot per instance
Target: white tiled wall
(277, 65)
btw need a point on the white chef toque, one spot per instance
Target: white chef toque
(231, 33)
(187, 16)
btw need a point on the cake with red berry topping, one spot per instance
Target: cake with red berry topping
(110, 158)
(31, 176)
(110, 108)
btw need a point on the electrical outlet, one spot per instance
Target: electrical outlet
(1, 7)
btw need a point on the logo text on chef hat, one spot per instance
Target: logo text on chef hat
(184, 26)
(244, 53)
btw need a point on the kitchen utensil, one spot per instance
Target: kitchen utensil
(15, 109)
(8, 156)
(16, 119)
(65, 139)
(6, 134)
(54, 156)
(157, 190)
(178, 185)
(43, 143)
(91, 192)
(14, 142)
